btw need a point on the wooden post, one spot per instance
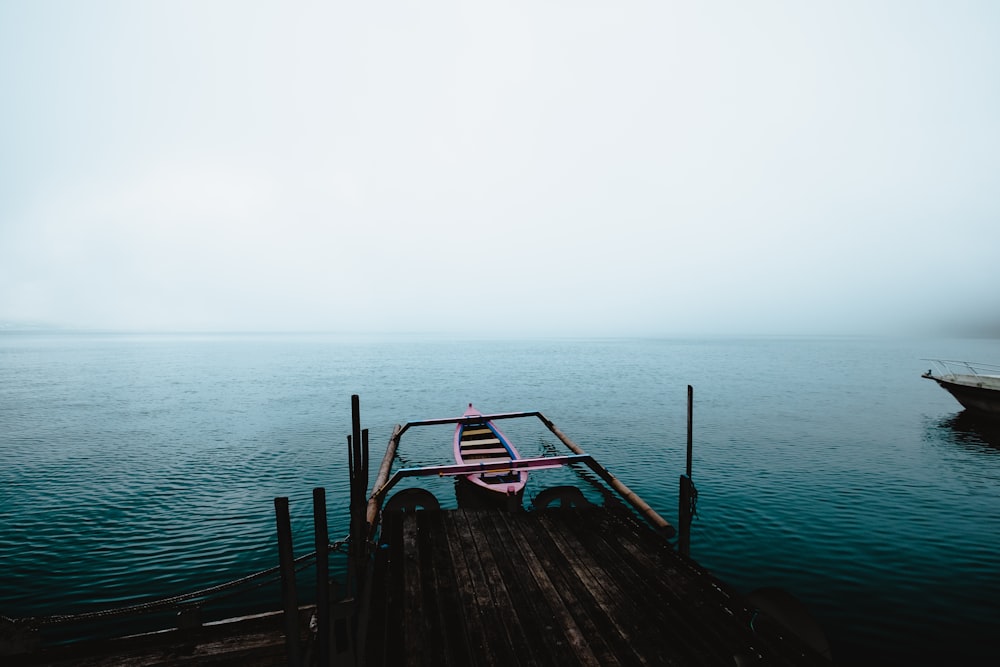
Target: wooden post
(357, 481)
(357, 451)
(286, 561)
(353, 463)
(322, 535)
(690, 441)
(360, 527)
(688, 494)
(684, 517)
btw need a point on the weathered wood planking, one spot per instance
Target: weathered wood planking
(253, 641)
(583, 586)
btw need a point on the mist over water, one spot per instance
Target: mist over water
(635, 168)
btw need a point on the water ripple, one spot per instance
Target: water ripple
(145, 466)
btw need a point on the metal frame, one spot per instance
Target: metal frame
(383, 483)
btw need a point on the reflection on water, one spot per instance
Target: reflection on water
(972, 431)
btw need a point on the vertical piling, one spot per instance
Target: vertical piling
(690, 429)
(688, 494)
(286, 562)
(684, 518)
(321, 531)
(357, 455)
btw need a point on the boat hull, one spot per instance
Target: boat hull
(980, 399)
(480, 441)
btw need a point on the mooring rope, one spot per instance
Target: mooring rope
(302, 562)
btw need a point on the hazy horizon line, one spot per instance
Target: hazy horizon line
(971, 331)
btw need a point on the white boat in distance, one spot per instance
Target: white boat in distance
(976, 386)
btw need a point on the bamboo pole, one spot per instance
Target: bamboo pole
(627, 493)
(383, 475)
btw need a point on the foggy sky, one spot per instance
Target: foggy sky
(537, 167)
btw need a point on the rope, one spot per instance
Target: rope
(302, 562)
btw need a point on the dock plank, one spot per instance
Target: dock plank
(659, 593)
(413, 602)
(721, 620)
(473, 602)
(443, 609)
(251, 641)
(617, 606)
(497, 584)
(583, 586)
(546, 646)
(486, 581)
(574, 610)
(537, 565)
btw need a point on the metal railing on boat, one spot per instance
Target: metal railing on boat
(954, 367)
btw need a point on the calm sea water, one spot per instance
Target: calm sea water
(141, 466)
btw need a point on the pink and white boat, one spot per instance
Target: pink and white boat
(479, 441)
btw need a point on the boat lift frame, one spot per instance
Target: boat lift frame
(384, 483)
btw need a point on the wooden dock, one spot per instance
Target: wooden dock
(564, 583)
(560, 586)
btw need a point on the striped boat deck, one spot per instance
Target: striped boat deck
(580, 586)
(479, 444)
(475, 453)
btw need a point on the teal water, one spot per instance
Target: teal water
(141, 466)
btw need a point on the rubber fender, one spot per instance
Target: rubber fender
(410, 500)
(561, 496)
